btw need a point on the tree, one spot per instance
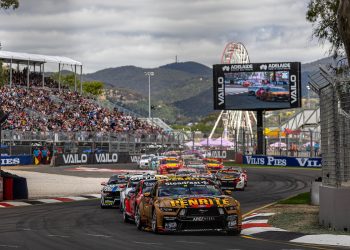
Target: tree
(6, 4)
(94, 87)
(331, 19)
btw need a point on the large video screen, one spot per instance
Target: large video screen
(257, 86)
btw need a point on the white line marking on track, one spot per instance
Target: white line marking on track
(56, 235)
(10, 246)
(99, 235)
(76, 198)
(147, 243)
(17, 203)
(190, 242)
(49, 201)
(254, 221)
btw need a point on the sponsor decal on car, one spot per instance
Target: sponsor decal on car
(195, 202)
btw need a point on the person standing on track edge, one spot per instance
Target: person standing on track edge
(37, 156)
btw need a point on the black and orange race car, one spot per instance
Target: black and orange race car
(169, 165)
(213, 164)
(188, 205)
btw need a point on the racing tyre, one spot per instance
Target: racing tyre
(125, 217)
(101, 205)
(154, 222)
(138, 219)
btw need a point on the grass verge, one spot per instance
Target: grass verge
(295, 214)
(303, 198)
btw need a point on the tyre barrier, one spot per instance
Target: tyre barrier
(14, 187)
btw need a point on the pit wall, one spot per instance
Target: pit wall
(335, 208)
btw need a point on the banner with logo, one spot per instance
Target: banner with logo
(222, 154)
(13, 160)
(98, 158)
(282, 161)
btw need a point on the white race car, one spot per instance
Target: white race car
(145, 160)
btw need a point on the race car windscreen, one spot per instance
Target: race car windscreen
(147, 186)
(170, 162)
(228, 175)
(116, 180)
(213, 162)
(188, 188)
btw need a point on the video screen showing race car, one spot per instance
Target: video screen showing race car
(267, 86)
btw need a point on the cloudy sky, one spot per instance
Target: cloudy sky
(149, 33)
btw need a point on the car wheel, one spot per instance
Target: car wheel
(154, 222)
(138, 219)
(102, 204)
(125, 217)
(234, 232)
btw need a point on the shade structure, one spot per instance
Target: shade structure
(190, 144)
(223, 142)
(208, 142)
(278, 145)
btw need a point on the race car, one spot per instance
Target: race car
(110, 193)
(186, 172)
(243, 173)
(275, 94)
(188, 205)
(230, 179)
(132, 183)
(213, 165)
(169, 165)
(144, 162)
(133, 197)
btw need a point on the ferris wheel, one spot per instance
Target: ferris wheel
(235, 120)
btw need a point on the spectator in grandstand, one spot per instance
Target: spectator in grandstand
(34, 109)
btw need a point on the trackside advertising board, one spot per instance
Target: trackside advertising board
(13, 160)
(257, 86)
(282, 161)
(98, 158)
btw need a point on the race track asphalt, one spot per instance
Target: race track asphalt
(83, 225)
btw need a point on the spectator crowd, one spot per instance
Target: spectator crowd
(35, 79)
(45, 109)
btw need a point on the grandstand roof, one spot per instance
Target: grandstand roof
(18, 57)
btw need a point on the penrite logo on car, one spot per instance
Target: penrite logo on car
(293, 89)
(221, 96)
(74, 158)
(106, 158)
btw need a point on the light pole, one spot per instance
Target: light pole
(149, 74)
(308, 95)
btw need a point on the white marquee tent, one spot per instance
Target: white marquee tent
(37, 59)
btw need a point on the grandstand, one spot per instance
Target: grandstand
(44, 112)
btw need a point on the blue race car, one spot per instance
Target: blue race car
(110, 193)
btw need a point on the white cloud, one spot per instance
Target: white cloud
(150, 33)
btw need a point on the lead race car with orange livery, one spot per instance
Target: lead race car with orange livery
(213, 164)
(169, 165)
(188, 205)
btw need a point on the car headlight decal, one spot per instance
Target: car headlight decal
(221, 210)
